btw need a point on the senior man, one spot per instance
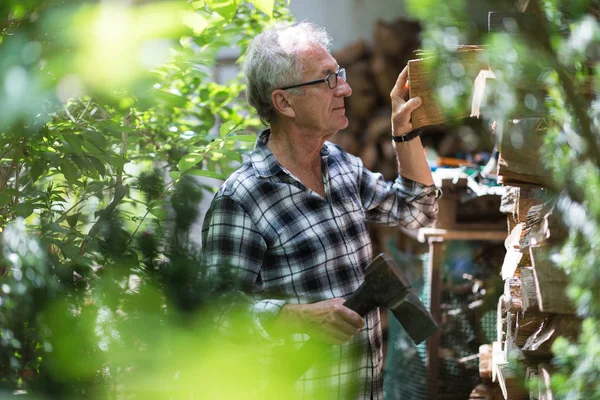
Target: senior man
(292, 220)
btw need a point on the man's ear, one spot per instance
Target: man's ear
(281, 101)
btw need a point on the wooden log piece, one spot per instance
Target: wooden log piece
(348, 141)
(540, 343)
(396, 39)
(528, 291)
(486, 391)
(527, 324)
(385, 71)
(379, 125)
(512, 295)
(485, 362)
(369, 156)
(544, 387)
(509, 200)
(498, 358)
(513, 254)
(520, 159)
(364, 97)
(422, 83)
(530, 374)
(511, 384)
(550, 283)
(501, 321)
(529, 196)
(356, 51)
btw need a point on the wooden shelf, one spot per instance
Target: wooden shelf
(424, 234)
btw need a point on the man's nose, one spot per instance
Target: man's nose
(343, 88)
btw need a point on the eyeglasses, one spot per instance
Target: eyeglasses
(331, 80)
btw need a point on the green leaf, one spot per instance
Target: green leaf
(265, 6)
(54, 227)
(244, 138)
(226, 154)
(188, 161)
(95, 138)
(69, 250)
(82, 163)
(225, 8)
(23, 209)
(206, 173)
(99, 165)
(73, 142)
(174, 174)
(73, 219)
(69, 170)
(227, 128)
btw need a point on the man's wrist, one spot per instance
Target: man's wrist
(407, 137)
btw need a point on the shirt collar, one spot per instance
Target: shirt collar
(263, 160)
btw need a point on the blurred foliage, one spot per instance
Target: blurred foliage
(546, 64)
(109, 111)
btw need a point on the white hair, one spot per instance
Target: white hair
(273, 61)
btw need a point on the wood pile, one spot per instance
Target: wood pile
(372, 70)
(534, 309)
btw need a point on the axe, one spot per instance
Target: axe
(384, 286)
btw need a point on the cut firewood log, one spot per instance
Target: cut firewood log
(527, 324)
(509, 200)
(550, 283)
(352, 53)
(485, 362)
(528, 291)
(486, 391)
(422, 76)
(511, 384)
(385, 71)
(380, 125)
(531, 373)
(520, 159)
(501, 321)
(396, 39)
(543, 226)
(364, 96)
(513, 254)
(528, 197)
(544, 388)
(498, 358)
(540, 342)
(512, 295)
(348, 141)
(369, 156)
(510, 343)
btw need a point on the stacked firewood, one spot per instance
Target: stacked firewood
(534, 309)
(372, 71)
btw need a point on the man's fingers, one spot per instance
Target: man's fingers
(400, 88)
(413, 104)
(353, 318)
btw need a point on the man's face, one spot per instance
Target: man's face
(321, 109)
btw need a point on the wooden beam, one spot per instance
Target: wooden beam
(436, 259)
(495, 236)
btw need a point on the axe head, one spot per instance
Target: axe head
(386, 286)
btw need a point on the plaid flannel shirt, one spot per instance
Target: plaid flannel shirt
(290, 245)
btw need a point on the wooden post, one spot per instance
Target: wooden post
(436, 259)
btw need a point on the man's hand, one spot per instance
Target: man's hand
(401, 108)
(328, 320)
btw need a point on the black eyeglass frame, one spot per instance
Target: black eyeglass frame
(340, 72)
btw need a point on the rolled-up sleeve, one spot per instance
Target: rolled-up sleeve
(402, 202)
